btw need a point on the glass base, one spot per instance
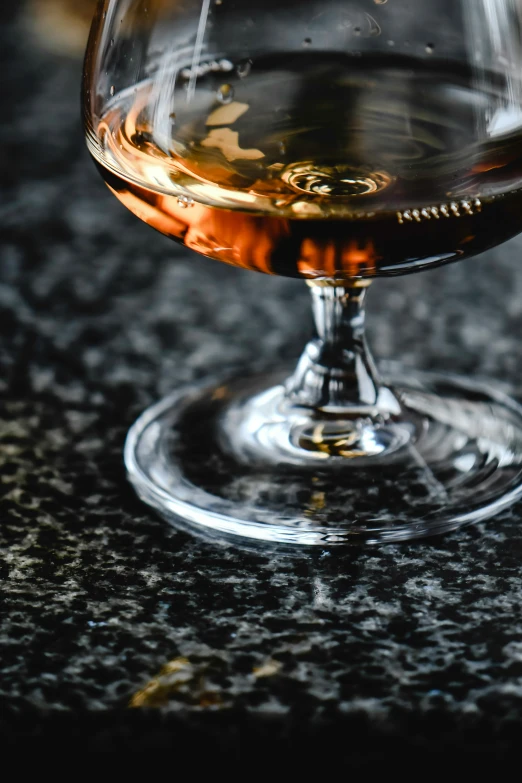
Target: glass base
(235, 460)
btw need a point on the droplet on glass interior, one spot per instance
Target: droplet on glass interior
(307, 42)
(172, 116)
(380, 2)
(357, 30)
(112, 41)
(226, 65)
(219, 2)
(112, 90)
(390, 43)
(185, 201)
(430, 48)
(225, 93)
(243, 68)
(282, 148)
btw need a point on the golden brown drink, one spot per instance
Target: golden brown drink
(314, 166)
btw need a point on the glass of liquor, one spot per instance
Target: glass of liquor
(335, 142)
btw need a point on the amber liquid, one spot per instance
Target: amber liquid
(318, 166)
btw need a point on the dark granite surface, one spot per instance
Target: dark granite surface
(365, 654)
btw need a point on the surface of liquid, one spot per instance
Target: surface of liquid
(318, 165)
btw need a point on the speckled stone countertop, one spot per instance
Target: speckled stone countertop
(119, 632)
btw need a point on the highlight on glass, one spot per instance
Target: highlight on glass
(335, 142)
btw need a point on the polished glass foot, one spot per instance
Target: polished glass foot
(247, 459)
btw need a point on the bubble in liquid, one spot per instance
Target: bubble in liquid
(219, 2)
(357, 30)
(307, 42)
(112, 41)
(185, 202)
(112, 90)
(390, 43)
(380, 2)
(243, 68)
(282, 148)
(430, 48)
(225, 94)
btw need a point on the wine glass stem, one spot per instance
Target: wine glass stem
(336, 371)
